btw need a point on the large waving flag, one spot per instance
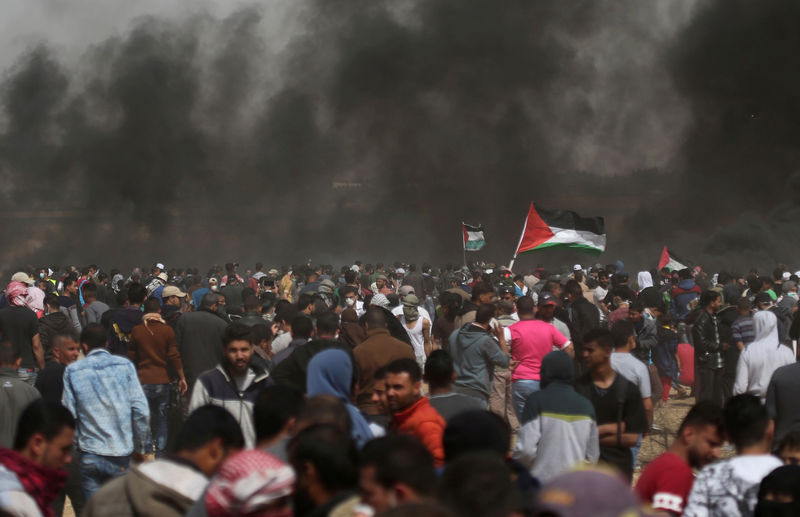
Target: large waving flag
(670, 261)
(473, 237)
(561, 229)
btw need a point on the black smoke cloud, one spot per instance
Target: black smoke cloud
(379, 126)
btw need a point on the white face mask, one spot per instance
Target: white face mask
(350, 301)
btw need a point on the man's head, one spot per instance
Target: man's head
(9, 355)
(525, 307)
(208, 436)
(744, 307)
(482, 293)
(173, 296)
(379, 391)
(597, 346)
(237, 348)
(547, 306)
(395, 470)
(51, 304)
(305, 304)
(302, 327)
(573, 290)
(403, 384)
(711, 301)
(71, 286)
(65, 348)
(747, 423)
(327, 325)
(484, 314)
(275, 412)
(375, 319)
(622, 333)
(152, 306)
(789, 448)
(324, 460)
(89, 292)
(136, 293)
(439, 373)
(636, 311)
(602, 279)
(93, 336)
(210, 302)
(702, 433)
(44, 434)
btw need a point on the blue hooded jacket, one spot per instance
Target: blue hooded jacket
(330, 372)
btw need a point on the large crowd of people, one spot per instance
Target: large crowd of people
(397, 391)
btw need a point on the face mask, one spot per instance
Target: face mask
(41, 275)
(350, 301)
(793, 295)
(411, 313)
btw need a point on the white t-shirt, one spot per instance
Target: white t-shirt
(634, 370)
(729, 488)
(398, 311)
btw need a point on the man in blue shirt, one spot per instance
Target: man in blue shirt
(103, 393)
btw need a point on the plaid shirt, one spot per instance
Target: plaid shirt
(103, 393)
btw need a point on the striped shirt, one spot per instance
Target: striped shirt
(742, 330)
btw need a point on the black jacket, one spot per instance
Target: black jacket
(706, 341)
(583, 317)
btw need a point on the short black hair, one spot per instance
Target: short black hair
(707, 297)
(136, 293)
(479, 485)
(573, 287)
(601, 336)
(285, 312)
(400, 459)
(475, 430)
(327, 323)
(304, 300)
(702, 414)
(273, 408)
(89, 289)
(746, 420)
(485, 313)
(405, 365)
(621, 331)
(375, 318)
(9, 352)
(93, 336)
(324, 409)
(208, 423)
(330, 451)
(636, 305)
(251, 303)
(52, 301)
(208, 300)
(302, 327)
(439, 369)
(525, 305)
(791, 441)
(152, 305)
(479, 289)
(259, 332)
(235, 332)
(47, 418)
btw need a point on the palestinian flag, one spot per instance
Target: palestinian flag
(670, 261)
(561, 229)
(473, 237)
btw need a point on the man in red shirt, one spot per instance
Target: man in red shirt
(411, 412)
(667, 480)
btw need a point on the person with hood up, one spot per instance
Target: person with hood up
(558, 428)
(762, 357)
(475, 354)
(330, 372)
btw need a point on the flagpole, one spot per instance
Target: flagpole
(463, 244)
(522, 235)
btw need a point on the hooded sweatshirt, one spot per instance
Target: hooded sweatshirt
(762, 357)
(160, 487)
(330, 372)
(475, 354)
(558, 428)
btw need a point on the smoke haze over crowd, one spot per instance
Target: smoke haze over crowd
(335, 130)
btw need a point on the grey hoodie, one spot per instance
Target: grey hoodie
(475, 354)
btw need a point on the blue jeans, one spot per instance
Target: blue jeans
(158, 400)
(635, 450)
(95, 470)
(28, 375)
(520, 390)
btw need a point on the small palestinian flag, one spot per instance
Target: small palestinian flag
(670, 261)
(473, 237)
(561, 229)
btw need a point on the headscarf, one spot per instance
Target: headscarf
(644, 280)
(783, 481)
(765, 328)
(35, 300)
(380, 300)
(149, 318)
(17, 293)
(41, 483)
(330, 372)
(247, 483)
(352, 333)
(411, 307)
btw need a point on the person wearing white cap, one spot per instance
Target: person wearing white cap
(172, 299)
